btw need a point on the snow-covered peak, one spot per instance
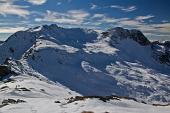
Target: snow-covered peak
(18, 43)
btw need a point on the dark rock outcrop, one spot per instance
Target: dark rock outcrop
(1, 42)
(161, 51)
(139, 37)
(4, 70)
(12, 101)
(121, 33)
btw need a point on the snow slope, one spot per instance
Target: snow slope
(44, 97)
(116, 62)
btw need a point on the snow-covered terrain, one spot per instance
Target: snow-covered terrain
(40, 96)
(50, 64)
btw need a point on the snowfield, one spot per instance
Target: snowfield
(44, 97)
(49, 66)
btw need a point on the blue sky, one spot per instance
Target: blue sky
(150, 16)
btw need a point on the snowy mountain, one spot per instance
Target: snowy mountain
(49, 63)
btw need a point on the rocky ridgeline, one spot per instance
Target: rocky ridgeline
(121, 33)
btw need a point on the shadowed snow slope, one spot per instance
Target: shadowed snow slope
(119, 61)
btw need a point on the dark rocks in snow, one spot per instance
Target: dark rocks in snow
(57, 102)
(4, 70)
(7, 61)
(87, 112)
(9, 80)
(22, 89)
(164, 58)
(4, 87)
(6, 102)
(102, 98)
(105, 34)
(12, 101)
(161, 51)
(43, 90)
(161, 104)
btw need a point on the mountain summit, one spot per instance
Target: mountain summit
(122, 33)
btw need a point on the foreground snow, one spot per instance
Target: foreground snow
(49, 97)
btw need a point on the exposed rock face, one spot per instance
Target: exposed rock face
(167, 44)
(121, 33)
(139, 37)
(1, 42)
(4, 70)
(161, 51)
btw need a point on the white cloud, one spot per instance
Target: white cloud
(164, 27)
(83, 18)
(70, 17)
(98, 15)
(102, 18)
(37, 2)
(141, 18)
(126, 9)
(93, 6)
(59, 3)
(164, 21)
(109, 20)
(113, 20)
(123, 8)
(130, 22)
(8, 8)
(79, 14)
(130, 8)
(11, 29)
